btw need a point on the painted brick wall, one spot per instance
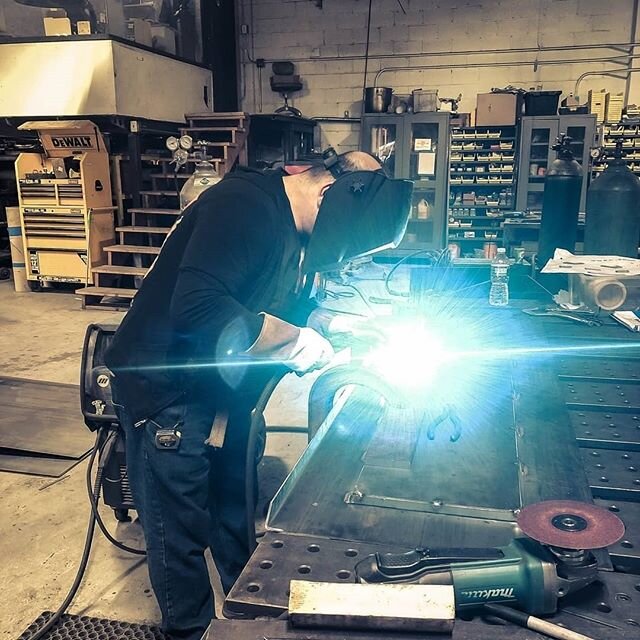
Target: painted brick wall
(299, 30)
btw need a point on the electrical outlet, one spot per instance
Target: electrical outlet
(244, 29)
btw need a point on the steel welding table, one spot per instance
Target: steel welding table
(564, 424)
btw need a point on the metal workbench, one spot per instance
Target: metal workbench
(564, 424)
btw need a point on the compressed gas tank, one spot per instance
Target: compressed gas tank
(612, 226)
(560, 203)
(203, 177)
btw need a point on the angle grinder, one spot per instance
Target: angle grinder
(551, 560)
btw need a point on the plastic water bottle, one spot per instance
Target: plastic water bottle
(499, 294)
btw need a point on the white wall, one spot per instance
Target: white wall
(299, 30)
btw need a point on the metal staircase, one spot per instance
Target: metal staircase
(224, 135)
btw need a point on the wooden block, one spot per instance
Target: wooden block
(391, 607)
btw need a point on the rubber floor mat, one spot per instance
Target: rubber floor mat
(71, 627)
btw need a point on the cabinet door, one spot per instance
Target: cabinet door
(426, 147)
(581, 129)
(382, 136)
(537, 137)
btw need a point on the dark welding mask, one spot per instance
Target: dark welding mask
(362, 212)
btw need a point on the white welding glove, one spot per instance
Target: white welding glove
(302, 350)
(311, 351)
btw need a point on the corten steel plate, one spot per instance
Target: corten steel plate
(445, 494)
(38, 465)
(613, 475)
(625, 554)
(42, 417)
(571, 525)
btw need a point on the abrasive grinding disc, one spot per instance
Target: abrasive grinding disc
(570, 525)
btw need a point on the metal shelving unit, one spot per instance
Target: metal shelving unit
(629, 132)
(482, 177)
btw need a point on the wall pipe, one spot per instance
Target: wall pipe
(621, 47)
(478, 65)
(621, 74)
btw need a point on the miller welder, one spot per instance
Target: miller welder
(98, 411)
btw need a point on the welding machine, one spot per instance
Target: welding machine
(98, 411)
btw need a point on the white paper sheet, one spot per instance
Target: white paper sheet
(426, 163)
(564, 261)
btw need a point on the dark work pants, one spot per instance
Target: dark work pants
(188, 499)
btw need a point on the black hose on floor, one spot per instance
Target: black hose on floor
(71, 594)
(104, 458)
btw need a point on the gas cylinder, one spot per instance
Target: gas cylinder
(203, 177)
(612, 226)
(560, 203)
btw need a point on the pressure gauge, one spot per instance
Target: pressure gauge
(180, 156)
(172, 143)
(186, 142)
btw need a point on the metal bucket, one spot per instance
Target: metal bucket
(377, 99)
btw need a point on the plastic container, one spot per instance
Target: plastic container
(499, 292)
(541, 103)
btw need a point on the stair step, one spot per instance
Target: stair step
(190, 160)
(219, 144)
(171, 176)
(155, 211)
(132, 229)
(213, 129)
(120, 270)
(162, 192)
(107, 291)
(212, 115)
(131, 248)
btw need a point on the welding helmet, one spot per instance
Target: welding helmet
(362, 212)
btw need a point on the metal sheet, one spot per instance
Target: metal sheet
(98, 76)
(625, 554)
(37, 466)
(590, 393)
(606, 609)
(613, 475)
(606, 429)
(610, 368)
(42, 417)
(430, 476)
(263, 586)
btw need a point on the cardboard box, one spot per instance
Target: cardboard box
(498, 109)
(613, 107)
(597, 104)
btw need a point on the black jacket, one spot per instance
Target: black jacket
(233, 253)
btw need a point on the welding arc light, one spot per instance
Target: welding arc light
(410, 358)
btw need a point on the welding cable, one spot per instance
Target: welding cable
(71, 594)
(387, 280)
(106, 450)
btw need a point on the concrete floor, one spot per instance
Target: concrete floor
(43, 524)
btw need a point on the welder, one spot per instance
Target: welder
(216, 310)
